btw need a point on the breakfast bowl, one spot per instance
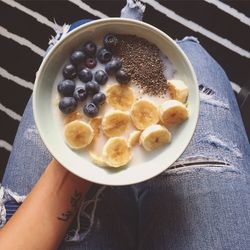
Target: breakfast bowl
(45, 104)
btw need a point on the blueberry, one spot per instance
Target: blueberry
(110, 41)
(99, 98)
(80, 93)
(77, 57)
(66, 87)
(92, 88)
(90, 62)
(69, 71)
(104, 55)
(122, 76)
(90, 48)
(113, 66)
(67, 105)
(85, 75)
(101, 77)
(90, 110)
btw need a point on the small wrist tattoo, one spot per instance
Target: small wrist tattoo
(75, 200)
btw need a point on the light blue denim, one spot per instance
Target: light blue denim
(202, 202)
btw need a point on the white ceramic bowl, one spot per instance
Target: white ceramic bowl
(52, 137)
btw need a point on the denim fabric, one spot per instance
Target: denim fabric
(133, 10)
(220, 132)
(202, 202)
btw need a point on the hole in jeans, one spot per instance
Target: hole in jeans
(208, 96)
(206, 90)
(209, 163)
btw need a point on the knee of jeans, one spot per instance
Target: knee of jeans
(193, 42)
(212, 92)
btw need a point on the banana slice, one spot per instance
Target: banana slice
(116, 152)
(97, 160)
(78, 134)
(144, 113)
(173, 112)
(115, 123)
(134, 138)
(178, 90)
(120, 97)
(95, 123)
(73, 116)
(154, 136)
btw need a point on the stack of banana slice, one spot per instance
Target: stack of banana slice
(151, 124)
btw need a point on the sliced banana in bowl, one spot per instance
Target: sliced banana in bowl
(134, 138)
(95, 123)
(173, 112)
(97, 159)
(115, 123)
(144, 113)
(120, 96)
(116, 152)
(178, 90)
(78, 134)
(154, 137)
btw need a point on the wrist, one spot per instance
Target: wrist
(64, 177)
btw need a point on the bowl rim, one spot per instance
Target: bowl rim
(92, 23)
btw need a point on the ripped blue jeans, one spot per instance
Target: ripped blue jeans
(201, 202)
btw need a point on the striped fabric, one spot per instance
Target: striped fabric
(11, 207)
(26, 26)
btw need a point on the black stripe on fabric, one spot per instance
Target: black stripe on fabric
(14, 96)
(61, 11)
(242, 6)
(110, 8)
(8, 128)
(229, 60)
(19, 23)
(4, 156)
(19, 60)
(213, 19)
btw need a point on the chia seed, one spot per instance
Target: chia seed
(141, 59)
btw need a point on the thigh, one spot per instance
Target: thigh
(188, 209)
(220, 133)
(29, 156)
(202, 203)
